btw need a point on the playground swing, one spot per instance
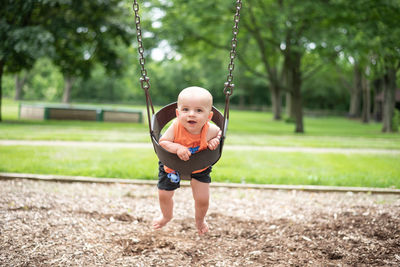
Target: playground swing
(158, 120)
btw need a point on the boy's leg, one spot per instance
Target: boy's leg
(165, 193)
(201, 195)
(166, 205)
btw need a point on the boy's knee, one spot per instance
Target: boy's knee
(165, 195)
(202, 200)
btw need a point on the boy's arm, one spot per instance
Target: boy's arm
(213, 136)
(167, 142)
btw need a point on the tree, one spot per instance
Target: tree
(284, 31)
(86, 33)
(373, 36)
(275, 34)
(382, 28)
(75, 34)
(384, 21)
(19, 84)
(23, 39)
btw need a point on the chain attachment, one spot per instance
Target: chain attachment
(144, 79)
(228, 85)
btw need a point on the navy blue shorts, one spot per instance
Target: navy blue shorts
(164, 183)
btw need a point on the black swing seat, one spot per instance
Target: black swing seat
(198, 160)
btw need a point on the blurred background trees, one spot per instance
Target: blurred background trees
(338, 57)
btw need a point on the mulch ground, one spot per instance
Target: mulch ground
(83, 224)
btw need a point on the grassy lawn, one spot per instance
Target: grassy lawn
(245, 128)
(235, 166)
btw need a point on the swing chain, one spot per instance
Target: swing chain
(228, 86)
(144, 79)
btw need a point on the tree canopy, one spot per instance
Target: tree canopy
(74, 34)
(335, 54)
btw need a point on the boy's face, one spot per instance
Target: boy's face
(193, 113)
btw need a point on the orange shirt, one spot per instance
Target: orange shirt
(183, 137)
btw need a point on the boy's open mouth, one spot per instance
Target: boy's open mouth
(191, 122)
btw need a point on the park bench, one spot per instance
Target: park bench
(75, 112)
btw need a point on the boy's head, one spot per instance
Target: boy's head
(197, 94)
(194, 108)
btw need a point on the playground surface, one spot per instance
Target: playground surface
(91, 224)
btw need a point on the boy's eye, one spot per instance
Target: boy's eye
(199, 110)
(185, 109)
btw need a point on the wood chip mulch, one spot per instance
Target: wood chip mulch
(89, 224)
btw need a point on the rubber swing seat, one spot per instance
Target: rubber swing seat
(198, 160)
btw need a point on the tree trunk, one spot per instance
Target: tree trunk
(366, 103)
(378, 88)
(287, 80)
(293, 80)
(355, 93)
(19, 84)
(1, 84)
(389, 91)
(68, 81)
(297, 103)
(276, 102)
(288, 107)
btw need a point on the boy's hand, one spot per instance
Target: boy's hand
(213, 143)
(183, 153)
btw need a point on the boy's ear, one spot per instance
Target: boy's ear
(177, 112)
(210, 115)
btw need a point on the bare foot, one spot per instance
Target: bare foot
(202, 227)
(160, 222)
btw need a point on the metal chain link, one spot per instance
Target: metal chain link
(229, 86)
(144, 79)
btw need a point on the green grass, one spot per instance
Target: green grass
(302, 168)
(74, 131)
(97, 162)
(257, 128)
(245, 128)
(256, 167)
